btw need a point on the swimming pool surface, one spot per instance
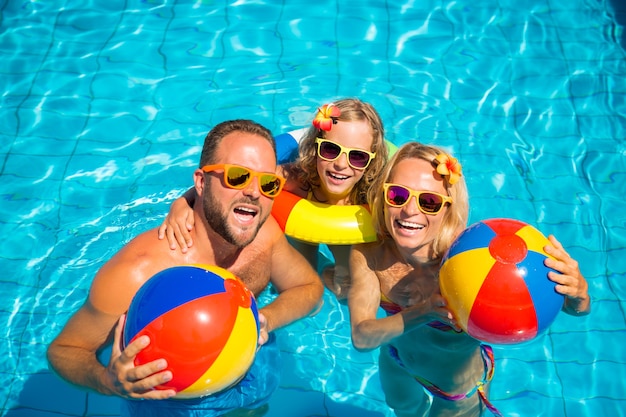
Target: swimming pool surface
(105, 106)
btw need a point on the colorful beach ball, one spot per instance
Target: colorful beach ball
(496, 284)
(202, 320)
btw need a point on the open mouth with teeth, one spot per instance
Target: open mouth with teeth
(409, 225)
(337, 177)
(245, 214)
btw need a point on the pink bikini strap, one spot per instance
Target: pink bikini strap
(489, 364)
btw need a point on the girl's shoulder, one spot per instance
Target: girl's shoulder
(293, 174)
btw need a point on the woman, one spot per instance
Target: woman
(339, 157)
(419, 205)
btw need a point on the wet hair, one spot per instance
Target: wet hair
(352, 109)
(217, 134)
(455, 217)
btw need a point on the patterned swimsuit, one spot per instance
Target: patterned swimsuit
(486, 351)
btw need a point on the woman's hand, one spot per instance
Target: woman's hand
(440, 311)
(569, 281)
(424, 311)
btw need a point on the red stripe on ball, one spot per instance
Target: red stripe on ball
(189, 337)
(503, 311)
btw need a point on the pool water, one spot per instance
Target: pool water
(105, 106)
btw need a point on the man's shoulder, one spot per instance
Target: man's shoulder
(147, 242)
(144, 251)
(270, 232)
(122, 275)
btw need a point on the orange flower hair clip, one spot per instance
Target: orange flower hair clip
(448, 166)
(326, 116)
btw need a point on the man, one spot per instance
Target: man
(234, 230)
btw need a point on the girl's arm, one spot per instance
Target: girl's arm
(337, 277)
(179, 222)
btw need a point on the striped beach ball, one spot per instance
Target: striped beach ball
(202, 320)
(496, 284)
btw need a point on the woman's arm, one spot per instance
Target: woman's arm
(368, 332)
(569, 282)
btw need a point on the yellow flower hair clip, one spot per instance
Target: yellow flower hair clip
(326, 116)
(448, 166)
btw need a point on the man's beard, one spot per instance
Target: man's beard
(218, 220)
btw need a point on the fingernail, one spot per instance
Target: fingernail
(144, 341)
(167, 376)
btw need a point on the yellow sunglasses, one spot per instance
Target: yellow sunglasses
(330, 151)
(238, 177)
(427, 201)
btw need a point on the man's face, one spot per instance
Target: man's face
(237, 215)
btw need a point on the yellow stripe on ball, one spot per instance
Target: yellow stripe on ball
(458, 288)
(232, 363)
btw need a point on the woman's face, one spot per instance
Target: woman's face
(338, 178)
(411, 229)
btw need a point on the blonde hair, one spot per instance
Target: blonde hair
(455, 217)
(352, 109)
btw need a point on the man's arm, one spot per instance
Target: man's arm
(73, 353)
(300, 288)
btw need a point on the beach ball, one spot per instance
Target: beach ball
(202, 320)
(496, 284)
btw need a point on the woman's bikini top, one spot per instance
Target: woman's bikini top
(392, 308)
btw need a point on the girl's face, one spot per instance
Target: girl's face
(411, 229)
(338, 178)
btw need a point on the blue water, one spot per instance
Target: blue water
(104, 106)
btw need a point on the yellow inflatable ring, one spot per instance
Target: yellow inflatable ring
(315, 222)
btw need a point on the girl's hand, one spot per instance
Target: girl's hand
(177, 225)
(337, 279)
